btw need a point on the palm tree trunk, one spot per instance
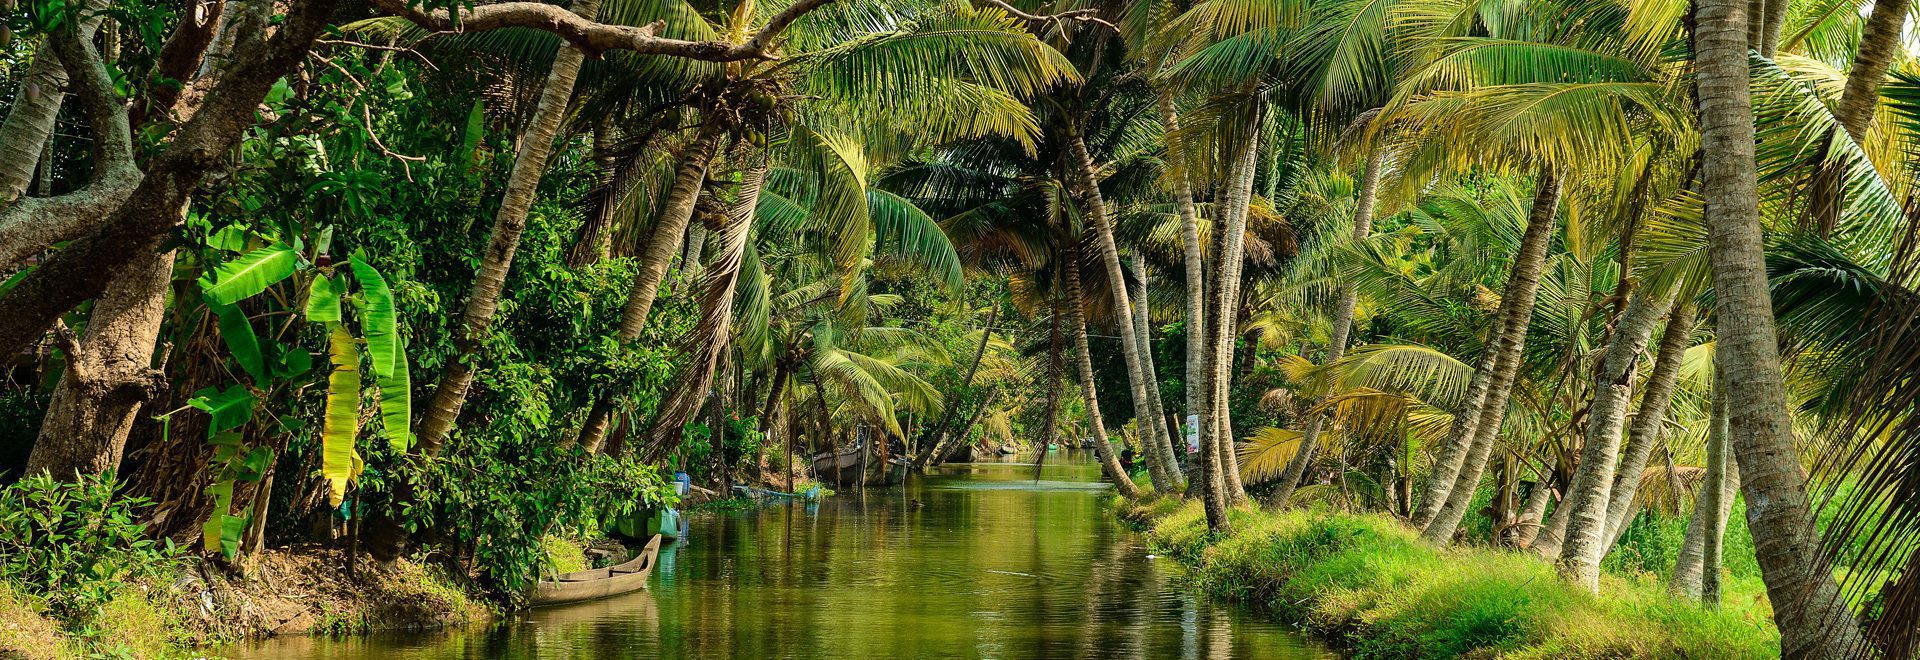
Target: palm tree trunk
(1813, 620)
(1143, 331)
(661, 248)
(1857, 102)
(716, 314)
(1165, 479)
(1453, 453)
(536, 145)
(1710, 510)
(1076, 306)
(939, 431)
(1527, 525)
(1342, 326)
(596, 235)
(1651, 418)
(1196, 374)
(1522, 287)
(1052, 415)
(1226, 315)
(1587, 499)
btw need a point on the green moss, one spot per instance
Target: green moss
(1371, 585)
(563, 555)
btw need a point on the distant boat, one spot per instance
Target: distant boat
(664, 522)
(856, 466)
(587, 585)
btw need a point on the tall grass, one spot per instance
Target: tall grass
(1370, 585)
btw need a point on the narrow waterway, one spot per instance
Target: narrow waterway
(978, 560)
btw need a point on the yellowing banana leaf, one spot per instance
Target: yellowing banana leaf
(377, 321)
(250, 274)
(343, 413)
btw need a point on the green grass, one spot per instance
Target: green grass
(133, 623)
(1370, 585)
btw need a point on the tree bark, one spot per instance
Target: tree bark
(1076, 306)
(1453, 453)
(1159, 455)
(1652, 417)
(1522, 287)
(1226, 317)
(716, 313)
(1196, 373)
(1143, 330)
(109, 375)
(1342, 327)
(1587, 499)
(661, 248)
(1858, 99)
(1710, 510)
(1813, 620)
(30, 120)
(536, 146)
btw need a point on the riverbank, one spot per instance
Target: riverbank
(1371, 586)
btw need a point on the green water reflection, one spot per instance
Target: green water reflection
(971, 561)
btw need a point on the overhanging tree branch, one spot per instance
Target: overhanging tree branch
(594, 38)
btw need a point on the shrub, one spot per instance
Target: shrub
(75, 544)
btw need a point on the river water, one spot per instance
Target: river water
(976, 560)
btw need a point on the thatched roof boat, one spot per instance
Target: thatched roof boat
(600, 582)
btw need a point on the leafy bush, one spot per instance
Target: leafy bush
(75, 545)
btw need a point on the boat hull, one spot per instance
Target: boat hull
(580, 586)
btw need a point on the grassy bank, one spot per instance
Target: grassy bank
(1371, 586)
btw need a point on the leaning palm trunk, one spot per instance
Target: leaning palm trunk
(711, 336)
(1813, 620)
(1857, 101)
(1143, 331)
(1076, 306)
(108, 377)
(1651, 418)
(664, 244)
(1522, 286)
(1453, 453)
(1587, 499)
(536, 145)
(1342, 326)
(938, 433)
(1195, 266)
(1157, 453)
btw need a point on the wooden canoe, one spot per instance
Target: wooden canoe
(600, 582)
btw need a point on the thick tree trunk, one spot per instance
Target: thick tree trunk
(1154, 448)
(661, 248)
(1651, 418)
(1522, 287)
(1077, 320)
(1527, 525)
(1592, 489)
(536, 146)
(1342, 327)
(1813, 619)
(109, 375)
(1196, 372)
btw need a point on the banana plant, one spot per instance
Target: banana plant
(368, 336)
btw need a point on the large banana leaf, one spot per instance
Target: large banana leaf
(377, 320)
(238, 334)
(249, 274)
(323, 300)
(343, 414)
(396, 402)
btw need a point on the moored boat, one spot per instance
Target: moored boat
(599, 582)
